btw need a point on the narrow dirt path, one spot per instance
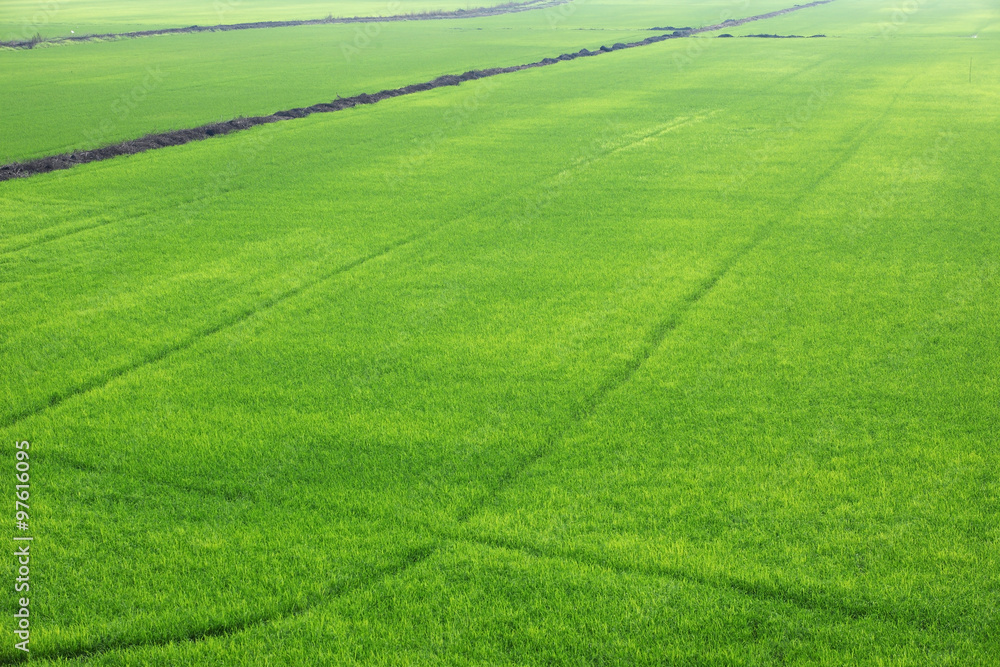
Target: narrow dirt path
(477, 12)
(179, 137)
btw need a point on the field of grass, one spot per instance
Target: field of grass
(685, 354)
(57, 18)
(135, 87)
(20, 19)
(87, 95)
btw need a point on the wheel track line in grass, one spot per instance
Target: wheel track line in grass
(664, 327)
(104, 379)
(757, 591)
(640, 139)
(184, 136)
(58, 232)
(590, 404)
(662, 330)
(477, 12)
(98, 382)
(33, 239)
(51, 235)
(40, 238)
(407, 560)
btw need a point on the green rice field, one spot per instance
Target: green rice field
(684, 354)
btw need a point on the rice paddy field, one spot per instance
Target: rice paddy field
(682, 354)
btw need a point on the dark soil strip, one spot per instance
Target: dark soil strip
(479, 12)
(179, 137)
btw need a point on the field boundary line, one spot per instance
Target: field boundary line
(476, 12)
(180, 137)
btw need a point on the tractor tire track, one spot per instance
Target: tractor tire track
(180, 137)
(407, 560)
(58, 398)
(104, 379)
(658, 335)
(478, 12)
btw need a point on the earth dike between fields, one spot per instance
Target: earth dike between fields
(180, 137)
(477, 12)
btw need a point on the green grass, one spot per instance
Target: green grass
(82, 96)
(173, 83)
(22, 18)
(628, 360)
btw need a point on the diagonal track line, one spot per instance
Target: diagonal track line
(104, 379)
(408, 560)
(760, 591)
(757, 590)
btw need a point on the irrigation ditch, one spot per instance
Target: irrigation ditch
(184, 136)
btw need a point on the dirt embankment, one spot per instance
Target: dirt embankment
(478, 12)
(178, 137)
(732, 23)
